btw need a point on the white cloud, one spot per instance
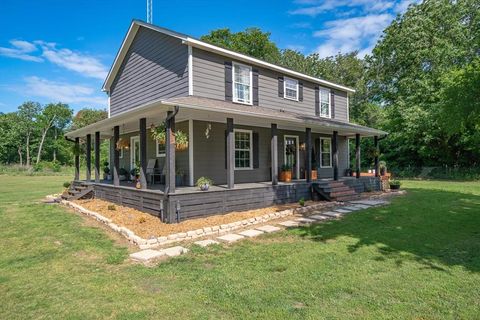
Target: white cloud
(296, 47)
(346, 35)
(316, 7)
(21, 50)
(81, 63)
(63, 92)
(74, 61)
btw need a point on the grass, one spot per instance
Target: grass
(417, 258)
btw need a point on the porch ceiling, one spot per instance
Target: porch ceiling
(205, 109)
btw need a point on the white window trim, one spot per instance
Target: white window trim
(251, 148)
(329, 102)
(321, 153)
(297, 150)
(159, 155)
(285, 89)
(234, 99)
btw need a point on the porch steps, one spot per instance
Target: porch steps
(335, 191)
(77, 191)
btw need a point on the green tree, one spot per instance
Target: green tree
(53, 115)
(28, 113)
(87, 116)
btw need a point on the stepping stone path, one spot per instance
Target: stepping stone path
(147, 255)
(250, 233)
(332, 214)
(305, 220)
(370, 202)
(204, 243)
(351, 208)
(289, 223)
(268, 229)
(174, 251)
(231, 237)
(319, 217)
(342, 210)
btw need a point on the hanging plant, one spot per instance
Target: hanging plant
(122, 144)
(158, 133)
(181, 140)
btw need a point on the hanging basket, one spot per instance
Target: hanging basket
(181, 141)
(122, 144)
(158, 133)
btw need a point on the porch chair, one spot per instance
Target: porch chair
(153, 172)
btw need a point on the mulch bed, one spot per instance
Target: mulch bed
(147, 226)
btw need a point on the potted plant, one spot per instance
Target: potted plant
(382, 166)
(122, 174)
(395, 184)
(179, 177)
(204, 183)
(286, 173)
(349, 172)
(314, 175)
(134, 173)
(106, 171)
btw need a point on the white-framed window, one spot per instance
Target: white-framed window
(324, 103)
(242, 83)
(290, 89)
(243, 149)
(325, 153)
(160, 149)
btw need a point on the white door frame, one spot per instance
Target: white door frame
(132, 150)
(297, 151)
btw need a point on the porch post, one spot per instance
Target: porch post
(357, 155)
(116, 156)
(77, 159)
(97, 157)
(143, 152)
(274, 155)
(89, 157)
(230, 154)
(375, 142)
(335, 155)
(170, 153)
(308, 148)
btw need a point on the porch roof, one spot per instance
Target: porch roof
(200, 108)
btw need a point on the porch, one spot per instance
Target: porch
(240, 149)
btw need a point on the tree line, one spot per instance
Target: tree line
(35, 133)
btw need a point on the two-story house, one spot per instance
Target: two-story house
(245, 120)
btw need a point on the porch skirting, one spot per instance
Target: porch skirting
(189, 204)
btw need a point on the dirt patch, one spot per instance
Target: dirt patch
(147, 226)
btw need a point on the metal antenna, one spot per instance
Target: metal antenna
(150, 11)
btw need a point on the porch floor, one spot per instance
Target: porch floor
(159, 188)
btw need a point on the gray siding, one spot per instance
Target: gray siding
(155, 67)
(209, 153)
(209, 82)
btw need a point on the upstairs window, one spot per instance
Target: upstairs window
(242, 83)
(290, 89)
(325, 153)
(324, 103)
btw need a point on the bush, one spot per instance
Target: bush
(455, 173)
(301, 202)
(111, 207)
(67, 184)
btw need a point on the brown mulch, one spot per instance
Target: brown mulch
(147, 226)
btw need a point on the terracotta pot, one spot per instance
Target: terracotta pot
(314, 175)
(286, 176)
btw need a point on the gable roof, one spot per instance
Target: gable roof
(187, 40)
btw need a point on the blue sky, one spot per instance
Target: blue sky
(54, 50)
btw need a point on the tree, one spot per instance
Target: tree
(88, 116)
(56, 115)
(28, 113)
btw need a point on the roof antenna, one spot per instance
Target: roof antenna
(150, 11)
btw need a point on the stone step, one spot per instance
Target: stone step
(251, 233)
(231, 237)
(268, 228)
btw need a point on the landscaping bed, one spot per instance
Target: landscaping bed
(148, 226)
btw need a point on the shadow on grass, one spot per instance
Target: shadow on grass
(433, 227)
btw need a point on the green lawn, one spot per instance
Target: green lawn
(417, 258)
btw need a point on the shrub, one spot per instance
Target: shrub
(67, 184)
(301, 202)
(111, 207)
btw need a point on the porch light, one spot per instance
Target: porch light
(302, 146)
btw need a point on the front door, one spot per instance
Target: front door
(291, 154)
(135, 152)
